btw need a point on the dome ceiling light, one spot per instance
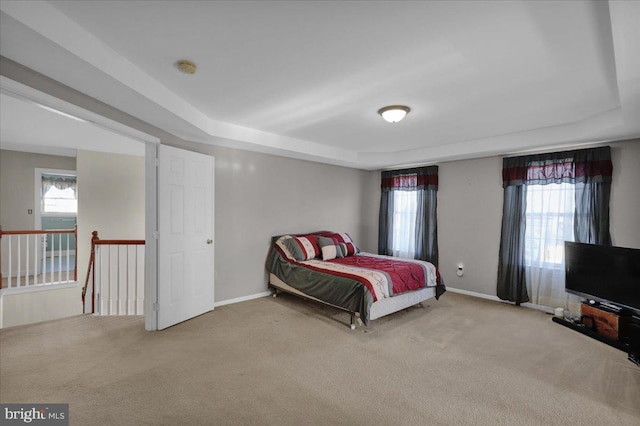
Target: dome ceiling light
(394, 113)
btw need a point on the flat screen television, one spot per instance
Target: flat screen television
(606, 274)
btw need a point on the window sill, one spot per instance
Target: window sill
(551, 267)
(58, 214)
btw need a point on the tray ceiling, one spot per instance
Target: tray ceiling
(305, 79)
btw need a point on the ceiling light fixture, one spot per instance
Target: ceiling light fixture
(394, 113)
(186, 66)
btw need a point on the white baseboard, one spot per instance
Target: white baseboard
(38, 287)
(451, 289)
(546, 309)
(242, 299)
(474, 294)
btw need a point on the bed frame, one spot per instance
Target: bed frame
(379, 308)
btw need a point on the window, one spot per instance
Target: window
(555, 197)
(405, 208)
(549, 223)
(60, 201)
(59, 194)
(408, 204)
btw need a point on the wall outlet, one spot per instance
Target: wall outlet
(29, 211)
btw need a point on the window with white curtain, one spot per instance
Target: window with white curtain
(59, 201)
(59, 194)
(548, 199)
(405, 209)
(549, 223)
(408, 219)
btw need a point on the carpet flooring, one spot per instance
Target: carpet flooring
(285, 361)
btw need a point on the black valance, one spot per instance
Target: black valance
(410, 179)
(579, 166)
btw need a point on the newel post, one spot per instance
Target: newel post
(94, 238)
(75, 264)
(91, 273)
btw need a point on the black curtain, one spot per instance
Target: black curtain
(593, 192)
(589, 170)
(511, 274)
(385, 227)
(424, 180)
(426, 226)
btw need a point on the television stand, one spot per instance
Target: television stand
(619, 329)
(581, 328)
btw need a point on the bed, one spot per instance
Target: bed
(328, 267)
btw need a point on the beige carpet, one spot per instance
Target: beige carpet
(285, 361)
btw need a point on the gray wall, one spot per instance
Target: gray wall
(258, 196)
(469, 218)
(470, 214)
(17, 193)
(17, 174)
(625, 194)
(111, 192)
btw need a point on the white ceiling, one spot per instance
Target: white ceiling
(27, 126)
(305, 79)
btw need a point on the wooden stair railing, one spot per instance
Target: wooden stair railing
(91, 273)
(90, 270)
(35, 232)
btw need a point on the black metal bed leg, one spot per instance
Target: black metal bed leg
(355, 320)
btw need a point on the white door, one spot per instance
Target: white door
(185, 243)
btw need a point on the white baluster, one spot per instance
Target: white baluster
(51, 262)
(26, 276)
(43, 243)
(140, 250)
(131, 279)
(113, 279)
(67, 257)
(97, 286)
(35, 259)
(122, 279)
(10, 262)
(19, 265)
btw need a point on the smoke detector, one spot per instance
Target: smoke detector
(186, 66)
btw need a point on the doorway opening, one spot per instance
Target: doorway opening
(56, 207)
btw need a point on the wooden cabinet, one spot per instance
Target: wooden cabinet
(608, 324)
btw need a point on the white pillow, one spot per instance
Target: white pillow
(330, 252)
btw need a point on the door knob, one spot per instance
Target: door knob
(209, 241)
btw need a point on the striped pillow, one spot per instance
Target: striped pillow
(304, 247)
(330, 248)
(349, 247)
